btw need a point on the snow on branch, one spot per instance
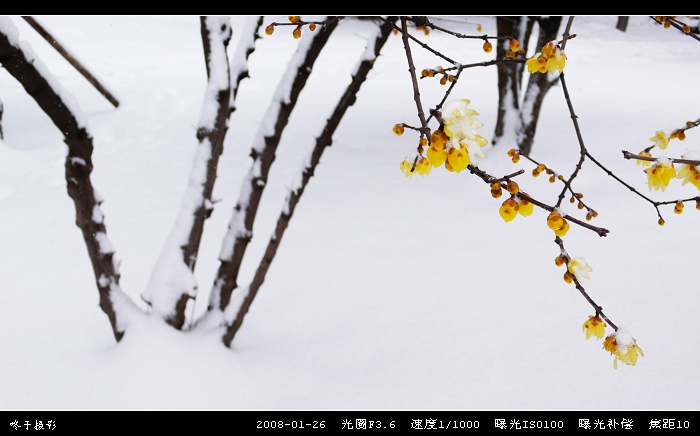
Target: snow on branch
(239, 60)
(240, 229)
(172, 282)
(235, 313)
(19, 60)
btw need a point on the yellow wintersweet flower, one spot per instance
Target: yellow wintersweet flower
(660, 139)
(557, 61)
(406, 168)
(537, 63)
(551, 58)
(594, 326)
(458, 158)
(660, 174)
(644, 163)
(690, 173)
(525, 208)
(436, 152)
(508, 210)
(623, 346)
(423, 167)
(460, 125)
(579, 268)
(557, 223)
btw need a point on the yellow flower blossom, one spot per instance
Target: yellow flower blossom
(660, 174)
(557, 223)
(644, 163)
(436, 152)
(557, 61)
(594, 326)
(537, 63)
(509, 210)
(579, 268)
(423, 167)
(406, 168)
(623, 346)
(460, 128)
(458, 158)
(525, 207)
(660, 139)
(690, 173)
(551, 58)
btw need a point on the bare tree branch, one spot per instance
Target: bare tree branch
(376, 42)
(23, 65)
(240, 230)
(71, 60)
(172, 282)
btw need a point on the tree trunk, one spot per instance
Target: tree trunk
(537, 87)
(509, 74)
(622, 23)
(172, 283)
(55, 101)
(240, 230)
(374, 46)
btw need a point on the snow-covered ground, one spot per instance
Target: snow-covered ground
(386, 293)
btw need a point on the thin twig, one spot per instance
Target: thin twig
(579, 287)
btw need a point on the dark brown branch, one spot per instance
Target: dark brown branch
(412, 70)
(628, 155)
(678, 25)
(486, 177)
(211, 137)
(323, 141)
(78, 168)
(424, 45)
(77, 65)
(579, 287)
(582, 146)
(263, 155)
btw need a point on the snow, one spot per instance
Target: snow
(386, 292)
(219, 30)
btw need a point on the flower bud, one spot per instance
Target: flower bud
(559, 260)
(514, 45)
(487, 47)
(312, 27)
(568, 278)
(294, 18)
(398, 129)
(512, 187)
(269, 29)
(679, 207)
(297, 32)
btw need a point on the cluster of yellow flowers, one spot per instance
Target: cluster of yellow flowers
(623, 346)
(551, 58)
(514, 206)
(452, 146)
(659, 174)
